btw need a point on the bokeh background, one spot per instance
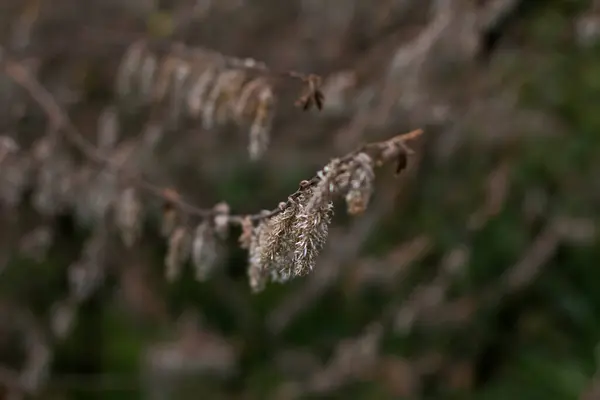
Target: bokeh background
(473, 275)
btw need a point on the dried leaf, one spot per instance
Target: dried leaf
(177, 254)
(128, 216)
(204, 251)
(247, 232)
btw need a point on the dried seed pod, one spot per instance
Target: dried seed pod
(277, 241)
(128, 215)
(204, 251)
(245, 238)
(327, 186)
(128, 68)
(311, 228)
(51, 192)
(312, 94)
(361, 184)
(148, 72)
(179, 81)
(219, 95)
(258, 275)
(165, 75)
(229, 95)
(168, 221)
(108, 128)
(152, 134)
(261, 126)
(62, 318)
(247, 100)
(177, 253)
(221, 219)
(196, 96)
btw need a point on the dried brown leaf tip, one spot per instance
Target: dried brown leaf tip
(204, 251)
(312, 94)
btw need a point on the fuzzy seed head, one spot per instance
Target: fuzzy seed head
(327, 187)
(361, 184)
(258, 276)
(277, 246)
(168, 221)
(221, 219)
(177, 254)
(245, 239)
(128, 216)
(311, 227)
(204, 251)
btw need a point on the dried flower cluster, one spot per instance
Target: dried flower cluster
(201, 245)
(196, 84)
(282, 243)
(285, 243)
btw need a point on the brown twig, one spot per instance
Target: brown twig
(394, 149)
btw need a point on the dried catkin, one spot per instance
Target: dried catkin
(218, 97)
(311, 227)
(168, 221)
(147, 77)
(179, 82)
(245, 239)
(277, 246)
(108, 128)
(130, 65)
(196, 96)
(164, 78)
(204, 251)
(221, 220)
(258, 275)
(177, 254)
(260, 129)
(247, 101)
(361, 184)
(128, 216)
(192, 83)
(230, 92)
(327, 186)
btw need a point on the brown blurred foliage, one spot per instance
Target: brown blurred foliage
(471, 275)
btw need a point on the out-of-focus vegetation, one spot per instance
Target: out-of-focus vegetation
(472, 276)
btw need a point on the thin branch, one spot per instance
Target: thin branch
(392, 150)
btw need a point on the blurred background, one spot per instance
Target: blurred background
(473, 275)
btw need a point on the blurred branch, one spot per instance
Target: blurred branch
(383, 152)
